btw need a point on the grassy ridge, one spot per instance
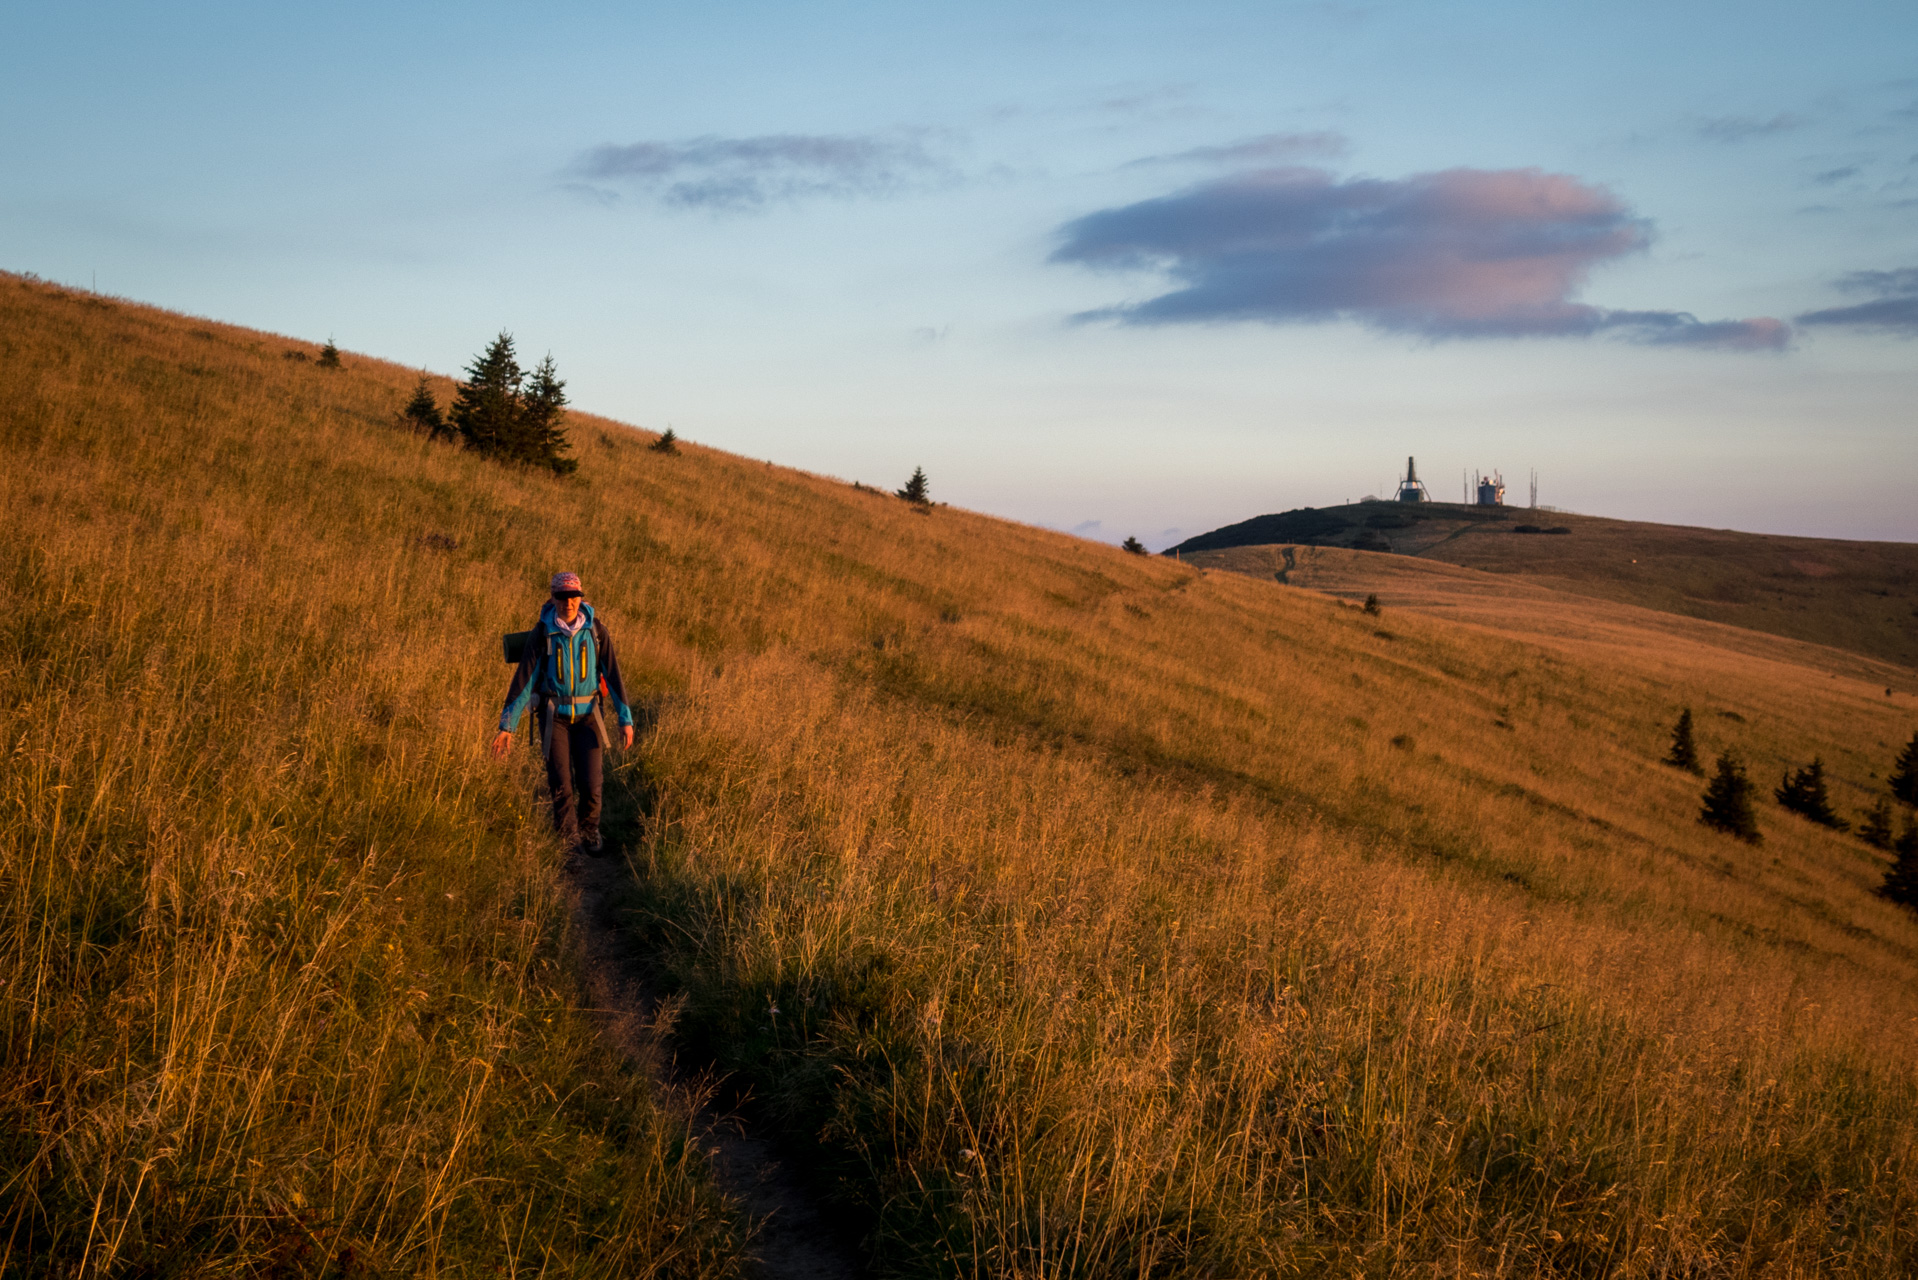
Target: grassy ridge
(1517, 605)
(1079, 914)
(1850, 595)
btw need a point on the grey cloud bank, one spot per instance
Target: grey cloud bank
(1268, 148)
(1894, 308)
(1740, 128)
(1881, 283)
(746, 173)
(1462, 253)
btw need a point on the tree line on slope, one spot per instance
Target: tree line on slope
(918, 491)
(1727, 805)
(502, 412)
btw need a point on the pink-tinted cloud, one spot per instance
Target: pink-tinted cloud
(1458, 254)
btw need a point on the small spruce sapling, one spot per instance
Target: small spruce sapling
(329, 356)
(1372, 604)
(1874, 825)
(1133, 545)
(486, 408)
(1684, 752)
(542, 410)
(422, 412)
(667, 442)
(1901, 881)
(1728, 801)
(1803, 792)
(1904, 776)
(917, 491)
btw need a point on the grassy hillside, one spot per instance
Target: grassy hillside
(1861, 596)
(1518, 604)
(1070, 913)
(281, 968)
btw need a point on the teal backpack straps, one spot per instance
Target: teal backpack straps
(546, 701)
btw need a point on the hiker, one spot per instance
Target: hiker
(567, 659)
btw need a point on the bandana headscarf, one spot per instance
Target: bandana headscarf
(567, 582)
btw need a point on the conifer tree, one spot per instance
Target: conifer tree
(1803, 792)
(1904, 775)
(917, 490)
(1874, 825)
(1901, 881)
(542, 410)
(1133, 545)
(486, 410)
(1728, 801)
(667, 442)
(422, 412)
(1684, 752)
(329, 356)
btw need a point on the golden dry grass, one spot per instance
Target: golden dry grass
(1853, 595)
(280, 967)
(1074, 913)
(1519, 604)
(1850, 594)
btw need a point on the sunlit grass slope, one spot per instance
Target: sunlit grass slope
(281, 978)
(1853, 595)
(1519, 604)
(1074, 913)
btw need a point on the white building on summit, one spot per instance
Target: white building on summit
(1491, 490)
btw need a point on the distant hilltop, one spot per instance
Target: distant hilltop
(1860, 596)
(1372, 525)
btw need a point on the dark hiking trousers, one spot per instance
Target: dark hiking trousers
(575, 767)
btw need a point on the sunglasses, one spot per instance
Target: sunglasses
(568, 595)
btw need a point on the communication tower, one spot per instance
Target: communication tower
(1412, 489)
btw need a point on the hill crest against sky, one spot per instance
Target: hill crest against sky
(1136, 274)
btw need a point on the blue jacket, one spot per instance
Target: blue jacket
(566, 669)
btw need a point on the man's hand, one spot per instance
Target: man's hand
(504, 740)
(626, 735)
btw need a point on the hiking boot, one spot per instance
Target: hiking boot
(592, 846)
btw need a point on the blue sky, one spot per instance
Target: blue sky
(1120, 268)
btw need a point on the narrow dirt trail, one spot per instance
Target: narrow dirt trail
(792, 1235)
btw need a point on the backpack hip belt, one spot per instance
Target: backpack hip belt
(554, 707)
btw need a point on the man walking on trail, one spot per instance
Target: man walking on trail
(567, 660)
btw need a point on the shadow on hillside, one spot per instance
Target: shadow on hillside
(657, 912)
(632, 793)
